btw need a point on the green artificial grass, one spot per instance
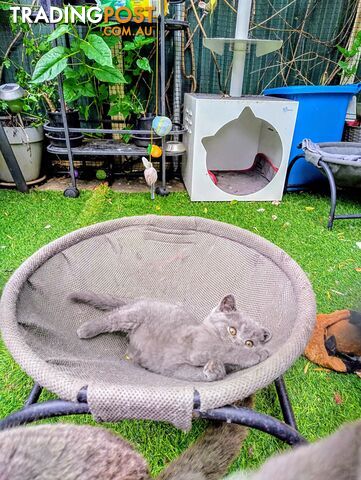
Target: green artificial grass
(322, 400)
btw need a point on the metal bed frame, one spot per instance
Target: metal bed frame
(285, 431)
(333, 191)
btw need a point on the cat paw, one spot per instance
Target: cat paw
(263, 355)
(86, 331)
(214, 370)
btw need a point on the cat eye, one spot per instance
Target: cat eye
(232, 331)
(249, 343)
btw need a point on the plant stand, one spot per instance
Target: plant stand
(108, 147)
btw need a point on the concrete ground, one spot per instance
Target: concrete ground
(134, 185)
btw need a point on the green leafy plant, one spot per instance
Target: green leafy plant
(88, 69)
(134, 66)
(34, 46)
(349, 66)
(5, 4)
(86, 66)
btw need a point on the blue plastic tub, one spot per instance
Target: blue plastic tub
(321, 117)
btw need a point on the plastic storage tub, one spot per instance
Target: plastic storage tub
(321, 117)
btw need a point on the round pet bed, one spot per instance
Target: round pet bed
(177, 259)
(340, 162)
(343, 158)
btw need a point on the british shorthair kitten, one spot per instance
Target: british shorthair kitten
(166, 339)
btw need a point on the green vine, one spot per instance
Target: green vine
(348, 66)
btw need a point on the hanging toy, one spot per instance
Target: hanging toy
(150, 175)
(162, 125)
(154, 151)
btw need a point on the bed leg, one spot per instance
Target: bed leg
(285, 403)
(326, 168)
(40, 411)
(34, 395)
(260, 421)
(290, 166)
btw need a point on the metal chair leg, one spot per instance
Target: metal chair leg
(39, 411)
(326, 168)
(259, 421)
(34, 395)
(289, 168)
(285, 403)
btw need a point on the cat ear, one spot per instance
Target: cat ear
(227, 304)
(267, 335)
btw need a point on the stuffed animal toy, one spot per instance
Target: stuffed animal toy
(336, 341)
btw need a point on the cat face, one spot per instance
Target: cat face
(236, 327)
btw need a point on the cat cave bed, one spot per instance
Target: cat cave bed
(237, 147)
(176, 259)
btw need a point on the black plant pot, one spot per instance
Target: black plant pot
(145, 123)
(58, 138)
(60, 142)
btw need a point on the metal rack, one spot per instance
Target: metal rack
(106, 147)
(111, 147)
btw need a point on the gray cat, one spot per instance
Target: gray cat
(212, 453)
(335, 458)
(164, 338)
(68, 452)
(73, 452)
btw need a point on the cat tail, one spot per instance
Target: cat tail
(211, 455)
(100, 301)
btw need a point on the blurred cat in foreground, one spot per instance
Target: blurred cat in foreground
(70, 452)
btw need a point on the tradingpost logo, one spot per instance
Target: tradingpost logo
(114, 17)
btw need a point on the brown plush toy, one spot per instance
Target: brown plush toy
(336, 341)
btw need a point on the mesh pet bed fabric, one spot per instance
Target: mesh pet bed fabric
(176, 259)
(344, 159)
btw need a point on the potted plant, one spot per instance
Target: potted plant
(89, 69)
(131, 106)
(24, 117)
(25, 134)
(73, 121)
(86, 66)
(41, 97)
